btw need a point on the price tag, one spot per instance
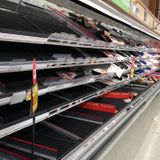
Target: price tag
(14, 68)
(18, 97)
(4, 69)
(28, 95)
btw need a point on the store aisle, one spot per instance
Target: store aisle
(139, 141)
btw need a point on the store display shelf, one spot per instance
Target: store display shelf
(8, 67)
(79, 42)
(8, 37)
(87, 73)
(52, 112)
(110, 11)
(83, 42)
(89, 146)
(25, 95)
(21, 96)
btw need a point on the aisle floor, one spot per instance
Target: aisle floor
(139, 140)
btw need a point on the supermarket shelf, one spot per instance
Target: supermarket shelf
(80, 81)
(64, 88)
(8, 37)
(20, 66)
(18, 97)
(110, 11)
(25, 95)
(79, 42)
(21, 96)
(88, 147)
(14, 128)
(6, 67)
(69, 39)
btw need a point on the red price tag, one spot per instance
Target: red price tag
(34, 72)
(34, 92)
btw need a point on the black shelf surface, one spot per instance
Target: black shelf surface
(67, 120)
(32, 21)
(7, 153)
(47, 103)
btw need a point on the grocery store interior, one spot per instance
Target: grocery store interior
(79, 79)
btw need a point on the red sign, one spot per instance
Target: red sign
(34, 72)
(34, 91)
(34, 98)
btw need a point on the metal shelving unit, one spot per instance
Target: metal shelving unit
(100, 136)
(25, 95)
(112, 12)
(69, 42)
(48, 114)
(91, 144)
(8, 67)
(14, 128)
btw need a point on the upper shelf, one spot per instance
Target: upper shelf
(32, 24)
(61, 40)
(112, 12)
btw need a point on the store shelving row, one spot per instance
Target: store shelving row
(79, 43)
(52, 112)
(84, 147)
(23, 95)
(23, 92)
(90, 145)
(8, 67)
(76, 64)
(111, 11)
(56, 109)
(21, 65)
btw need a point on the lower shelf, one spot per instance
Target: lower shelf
(77, 133)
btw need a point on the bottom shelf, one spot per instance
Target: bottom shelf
(139, 136)
(78, 132)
